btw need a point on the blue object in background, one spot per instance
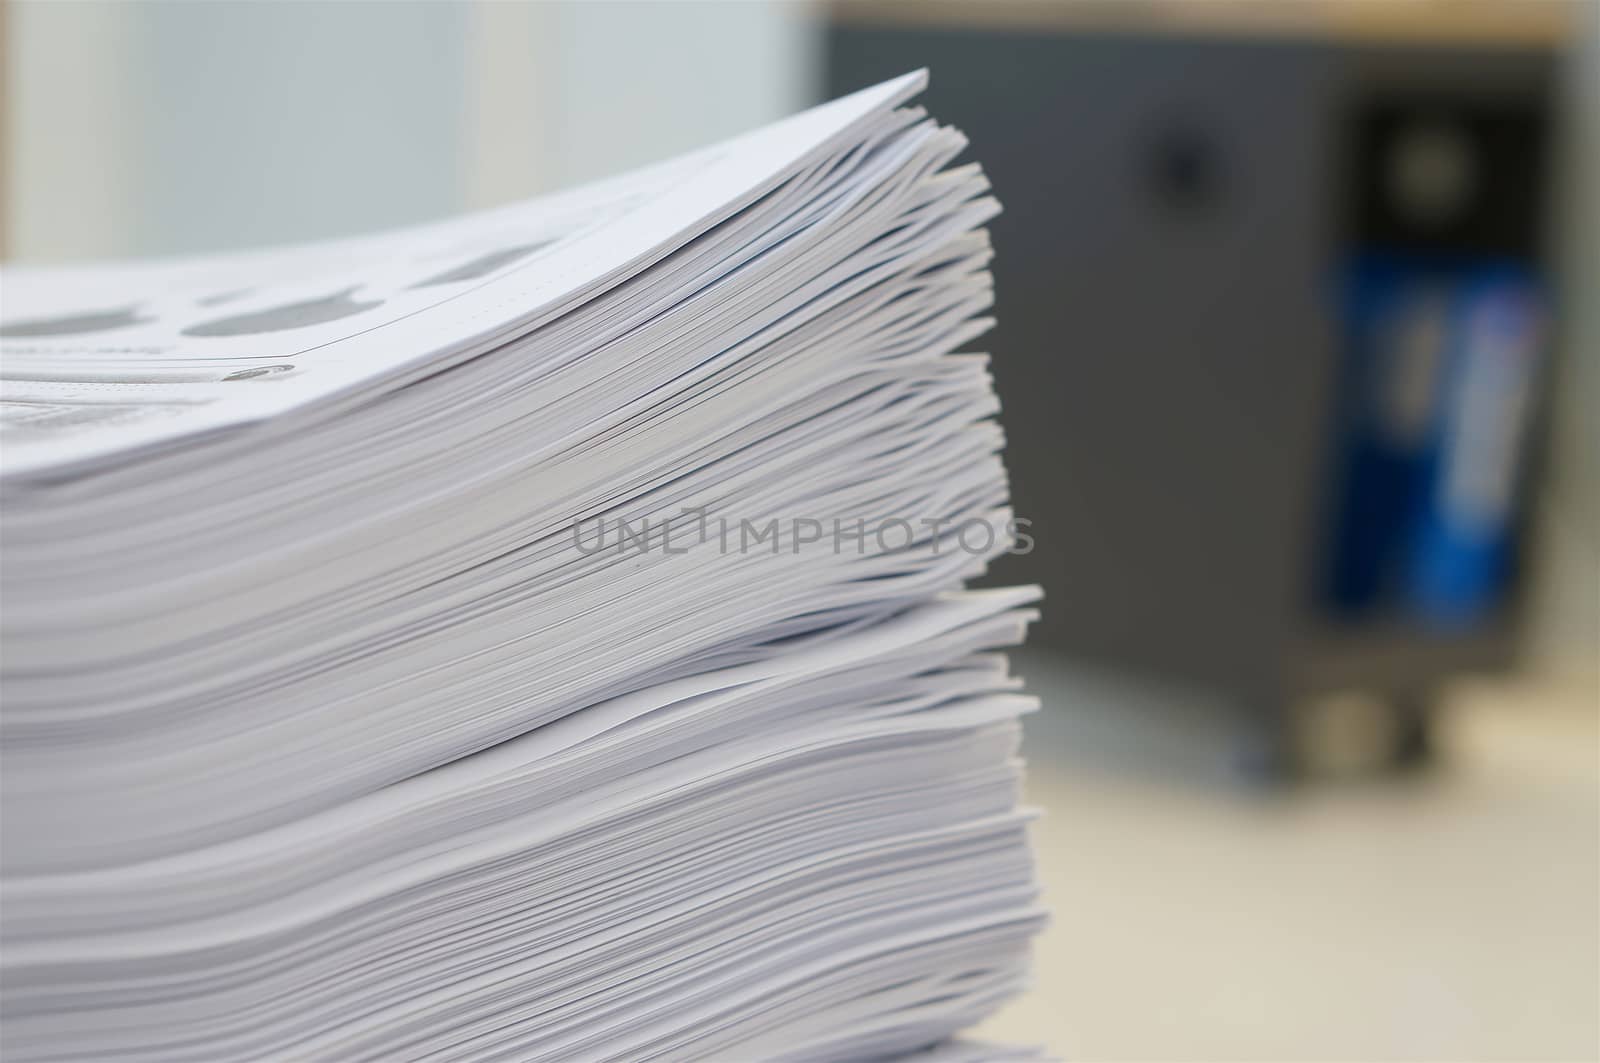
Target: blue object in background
(1461, 556)
(1440, 361)
(1396, 320)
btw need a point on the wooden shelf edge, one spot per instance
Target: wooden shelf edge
(1515, 23)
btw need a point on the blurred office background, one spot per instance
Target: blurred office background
(1300, 353)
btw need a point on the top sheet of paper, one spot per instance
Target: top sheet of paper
(103, 360)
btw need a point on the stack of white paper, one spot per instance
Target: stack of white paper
(533, 636)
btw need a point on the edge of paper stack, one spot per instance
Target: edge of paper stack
(538, 635)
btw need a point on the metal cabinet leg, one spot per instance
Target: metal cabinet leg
(1265, 753)
(1413, 729)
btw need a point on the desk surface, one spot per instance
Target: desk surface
(1452, 916)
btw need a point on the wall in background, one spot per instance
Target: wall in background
(171, 126)
(631, 83)
(69, 145)
(1566, 609)
(154, 128)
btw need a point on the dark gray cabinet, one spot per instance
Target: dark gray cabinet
(1167, 349)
